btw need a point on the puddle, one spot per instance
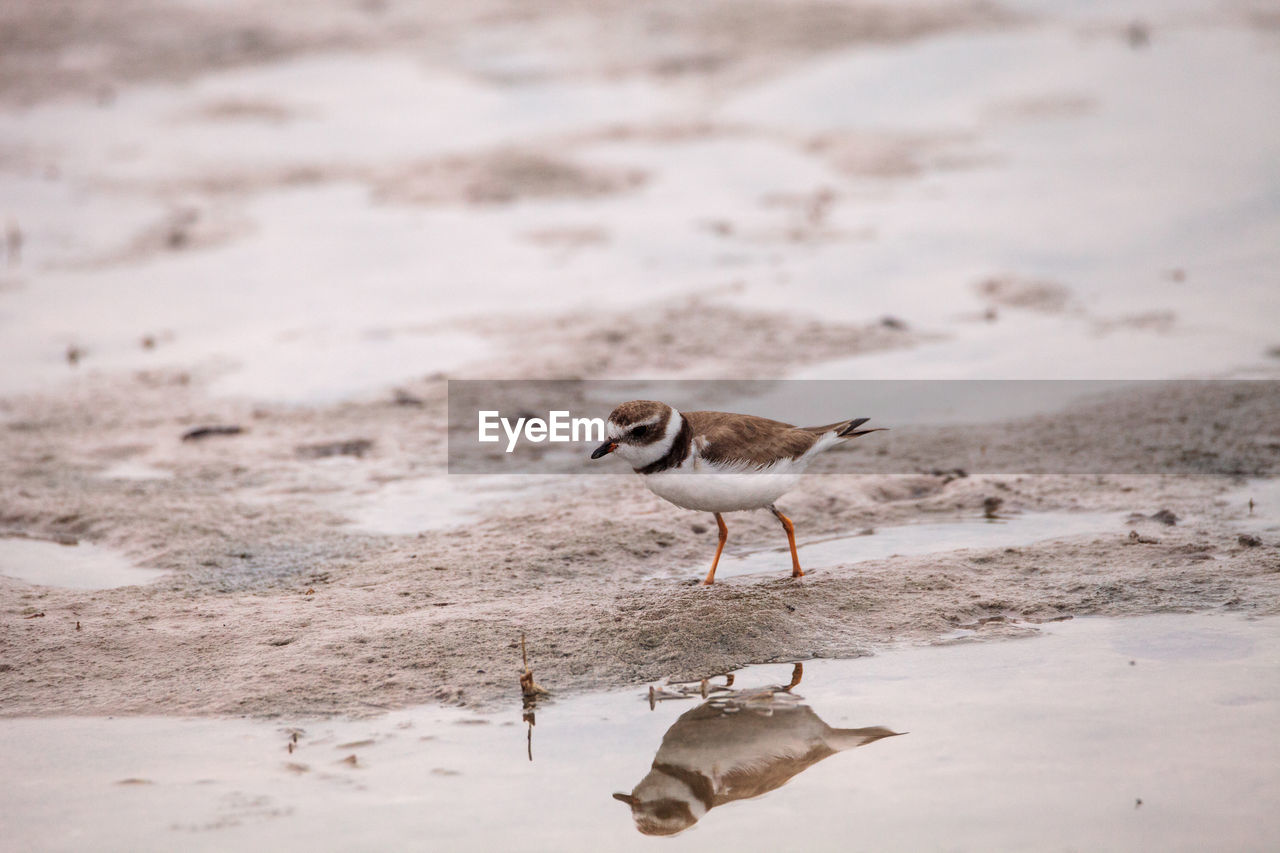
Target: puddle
(1010, 532)
(326, 367)
(1152, 732)
(1258, 502)
(405, 507)
(134, 470)
(81, 566)
(912, 539)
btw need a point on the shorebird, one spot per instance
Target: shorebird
(737, 745)
(719, 462)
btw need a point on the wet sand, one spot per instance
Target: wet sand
(301, 225)
(275, 604)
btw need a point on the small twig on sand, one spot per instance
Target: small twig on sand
(530, 689)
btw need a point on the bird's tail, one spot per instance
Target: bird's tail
(842, 739)
(844, 429)
(851, 429)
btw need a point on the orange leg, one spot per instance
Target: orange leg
(797, 673)
(796, 571)
(724, 537)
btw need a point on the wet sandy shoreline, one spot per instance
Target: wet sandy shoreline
(275, 606)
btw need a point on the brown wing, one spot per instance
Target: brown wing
(819, 430)
(746, 439)
(778, 770)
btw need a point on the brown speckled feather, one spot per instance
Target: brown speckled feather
(725, 438)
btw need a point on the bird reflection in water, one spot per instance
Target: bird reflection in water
(737, 745)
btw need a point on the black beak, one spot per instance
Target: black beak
(604, 449)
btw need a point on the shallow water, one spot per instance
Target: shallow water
(79, 566)
(1018, 136)
(405, 507)
(1055, 112)
(133, 470)
(1256, 505)
(912, 539)
(1085, 738)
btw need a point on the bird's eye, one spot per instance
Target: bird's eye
(639, 432)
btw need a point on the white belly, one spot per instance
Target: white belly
(708, 491)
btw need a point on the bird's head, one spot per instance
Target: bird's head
(662, 816)
(641, 432)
